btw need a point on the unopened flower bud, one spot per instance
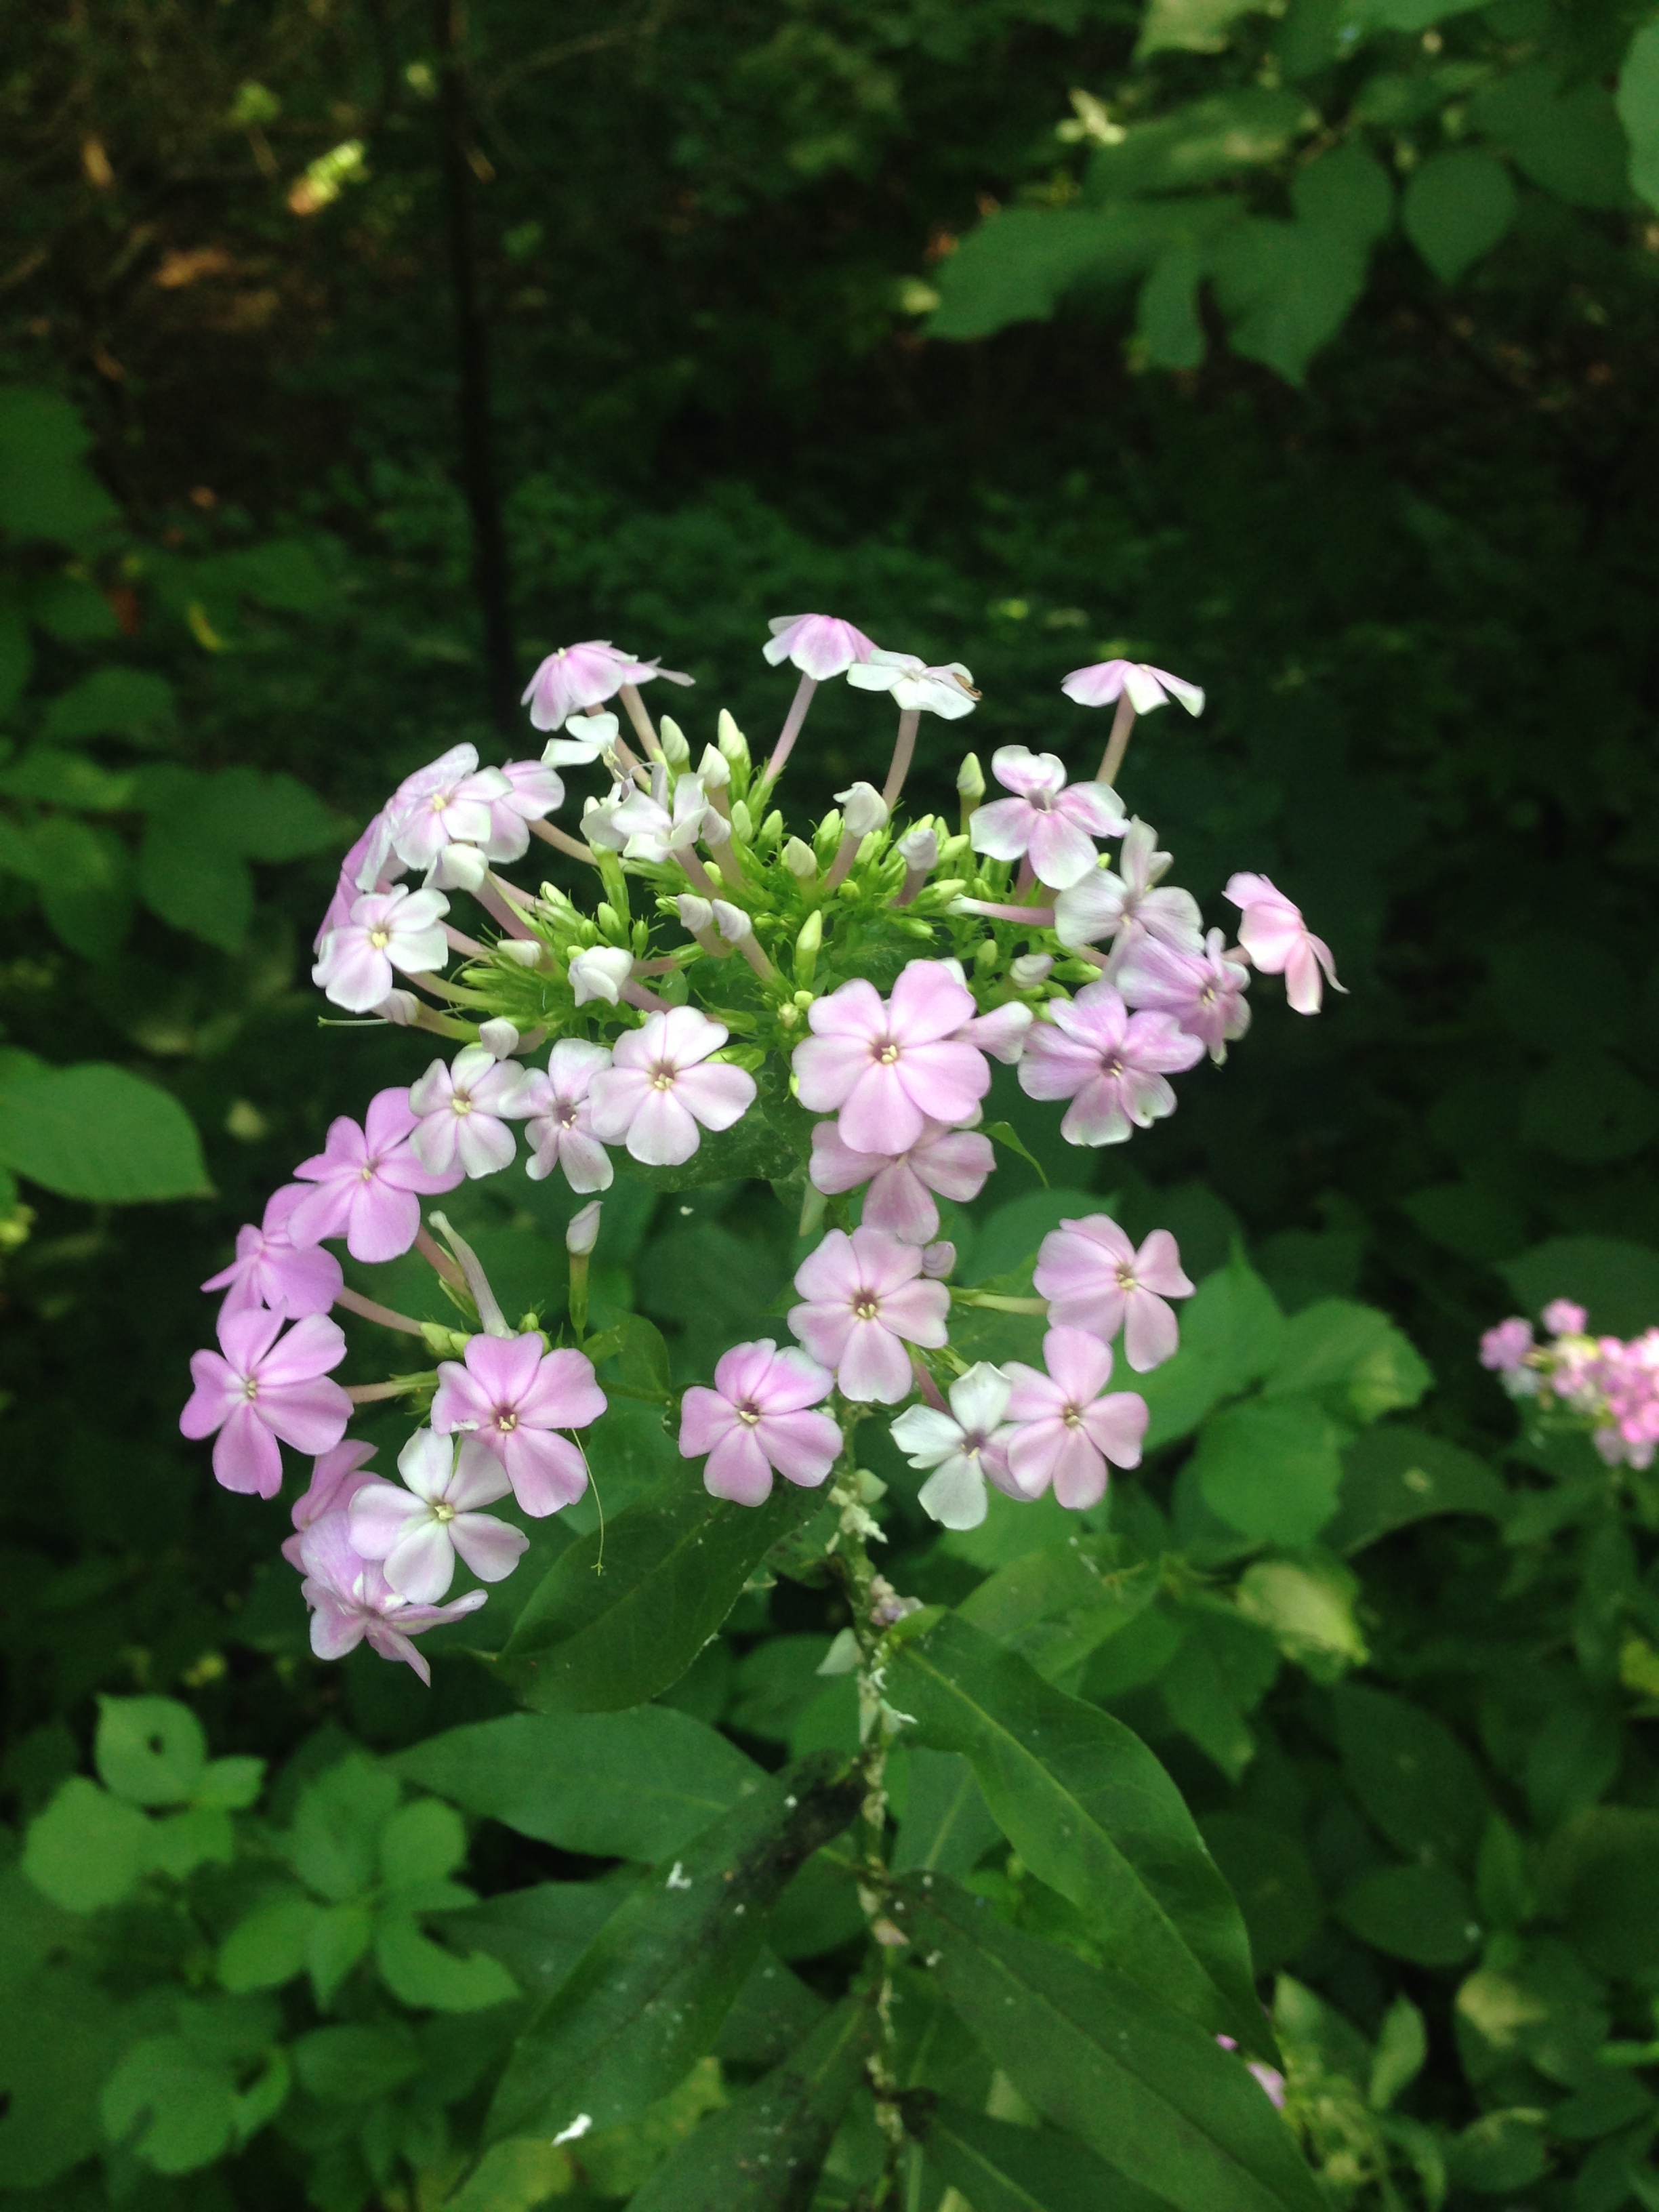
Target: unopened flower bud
(863, 809)
(499, 1038)
(716, 830)
(732, 923)
(676, 750)
(401, 1008)
(713, 771)
(987, 954)
(743, 821)
(460, 868)
(938, 1259)
(695, 913)
(806, 946)
(1030, 969)
(600, 974)
(771, 830)
(582, 1233)
(919, 850)
(970, 781)
(733, 743)
(800, 859)
(522, 950)
(826, 838)
(609, 921)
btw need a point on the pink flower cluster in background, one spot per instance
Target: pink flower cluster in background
(1610, 1385)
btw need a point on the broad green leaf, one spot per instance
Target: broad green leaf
(647, 1996)
(355, 2064)
(1009, 1236)
(152, 1750)
(284, 572)
(1271, 1469)
(1056, 1606)
(422, 1842)
(1230, 1332)
(266, 817)
(1345, 193)
(1146, 2087)
(234, 1783)
(1458, 205)
(85, 875)
(1469, 1218)
(1091, 1813)
(338, 1938)
(1286, 289)
(616, 1785)
(997, 2166)
(1016, 266)
(87, 1849)
(1419, 1786)
(59, 2035)
(421, 1973)
(334, 1844)
(1269, 1874)
(1351, 1355)
(194, 881)
(539, 1933)
(1393, 1476)
(674, 1565)
(1588, 1108)
(1617, 1281)
(95, 1132)
(47, 489)
(1362, 16)
(1402, 2047)
(1168, 329)
(947, 1823)
(72, 607)
(1638, 102)
(1600, 1879)
(110, 703)
(760, 2154)
(59, 777)
(1499, 2153)
(272, 1946)
(1199, 143)
(180, 1842)
(1223, 1668)
(172, 2107)
(1567, 139)
(1195, 26)
(1425, 1914)
(520, 2175)
(1308, 1607)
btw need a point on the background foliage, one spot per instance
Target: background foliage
(354, 357)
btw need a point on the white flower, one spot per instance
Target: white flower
(947, 691)
(961, 1446)
(417, 1532)
(1130, 904)
(863, 809)
(587, 737)
(600, 973)
(398, 928)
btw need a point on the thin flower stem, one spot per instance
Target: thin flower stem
(426, 1017)
(789, 732)
(370, 1394)
(1118, 743)
(458, 943)
(637, 995)
(551, 835)
(1027, 879)
(433, 1253)
(441, 988)
(910, 888)
(904, 751)
(691, 861)
(758, 960)
(354, 1302)
(489, 898)
(1039, 917)
(846, 854)
(995, 1304)
(634, 706)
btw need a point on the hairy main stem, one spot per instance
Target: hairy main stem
(903, 751)
(1118, 744)
(791, 730)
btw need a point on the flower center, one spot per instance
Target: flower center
(366, 1173)
(1112, 1067)
(662, 1077)
(1072, 1417)
(1207, 997)
(250, 1388)
(886, 1054)
(441, 1514)
(867, 1306)
(1125, 1277)
(441, 800)
(461, 1103)
(507, 1420)
(380, 938)
(1044, 801)
(749, 1413)
(566, 1116)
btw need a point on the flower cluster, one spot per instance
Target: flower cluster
(1600, 1382)
(846, 993)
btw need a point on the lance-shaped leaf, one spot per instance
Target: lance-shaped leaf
(1091, 1813)
(999, 2167)
(624, 1612)
(1146, 2087)
(764, 2152)
(647, 1996)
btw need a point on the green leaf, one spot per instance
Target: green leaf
(335, 1841)
(1147, 2089)
(1308, 1607)
(421, 1973)
(1168, 326)
(1617, 1281)
(95, 1132)
(1194, 27)
(1638, 103)
(1600, 1879)
(47, 489)
(195, 883)
(1421, 1913)
(73, 608)
(539, 1933)
(66, 778)
(272, 1946)
(1351, 1355)
(1587, 1108)
(181, 1842)
(1199, 144)
(1569, 141)
(354, 2065)
(17, 652)
(284, 573)
(85, 875)
(110, 703)
(1402, 2047)
(1230, 1332)
(1016, 266)
(947, 1823)
(266, 817)
(1006, 1135)
(1269, 1874)
(1222, 1669)
(1271, 1470)
(674, 1565)
(1346, 193)
(1057, 1607)
(339, 1938)
(1393, 1476)
(1091, 1813)
(1458, 205)
(174, 2108)
(1415, 1780)
(997, 2166)
(232, 1783)
(422, 1842)
(647, 1996)
(152, 1750)
(60, 2036)
(87, 1849)
(1286, 289)
(761, 2153)
(1497, 2153)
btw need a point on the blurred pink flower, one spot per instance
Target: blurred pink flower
(1064, 1430)
(1052, 822)
(513, 1395)
(335, 1478)
(657, 1096)
(1502, 1349)
(270, 1270)
(1203, 991)
(820, 645)
(1272, 931)
(447, 804)
(351, 1600)
(260, 1386)
(560, 1126)
(756, 1417)
(892, 1065)
(1562, 1318)
(1110, 1063)
(1146, 687)
(956, 1163)
(369, 1184)
(1093, 1277)
(864, 1300)
(578, 676)
(416, 1533)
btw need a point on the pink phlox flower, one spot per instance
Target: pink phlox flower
(261, 1385)
(1052, 822)
(962, 1447)
(416, 1533)
(1203, 991)
(1131, 903)
(947, 691)
(1093, 1277)
(463, 1110)
(956, 1163)
(891, 1066)
(1504, 1348)
(447, 803)
(758, 1417)
(513, 1395)
(1065, 1427)
(1002, 1032)
(578, 676)
(396, 929)
(864, 1300)
(351, 1600)
(271, 1269)
(1562, 1318)
(820, 645)
(535, 790)
(369, 1184)
(370, 865)
(559, 1103)
(658, 1095)
(1147, 687)
(1112, 1065)
(1279, 942)
(336, 1478)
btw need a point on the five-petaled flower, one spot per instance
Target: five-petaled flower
(1066, 1425)
(1093, 1277)
(351, 1599)
(758, 1417)
(955, 1163)
(660, 1092)
(463, 1110)
(261, 1385)
(962, 1447)
(1131, 903)
(864, 1300)
(397, 929)
(892, 1065)
(1203, 991)
(271, 1269)
(447, 804)
(1053, 823)
(515, 1395)
(416, 1533)
(820, 645)
(369, 1182)
(1112, 1065)
(947, 691)
(578, 676)
(559, 1103)
(1280, 942)
(1145, 687)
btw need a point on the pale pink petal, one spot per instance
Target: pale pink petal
(380, 1513)
(802, 1446)
(662, 1133)
(420, 1566)
(874, 1366)
(491, 1548)
(246, 1456)
(737, 1469)
(718, 1096)
(546, 1470)
(880, 1113)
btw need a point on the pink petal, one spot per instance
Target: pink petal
(246, 1456)
(662, 1133)
(831, 1272)
(381, 1223)
(1079, 1363)
(1157, 1265)
(617, 1095)
(928, 1005)
(380, 1515)
(1003, 829)
(826, 1067)
(563, 1393)
(546, 1470)
(310, 1416)
(874, 1366)
(824, 1329)
(422, 1564)
(706, 1417)
(311, 1347)
(853, 1011)
(1079, 1472)
(1061, 854)
(737, 1469)
(718, 1096)
(879, 1113)
(802, 1446)
(491, 1548)
(1117, 1425)
(1151, 1334)
(898, 1202)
